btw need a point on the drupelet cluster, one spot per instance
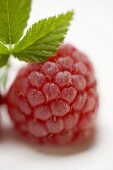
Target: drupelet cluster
(55, 101)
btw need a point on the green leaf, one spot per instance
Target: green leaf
(43, 38)
(13, 19)
(4, 55)
(3, 76)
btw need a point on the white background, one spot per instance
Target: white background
(92, 32)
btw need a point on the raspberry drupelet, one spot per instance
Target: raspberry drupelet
(55, 101)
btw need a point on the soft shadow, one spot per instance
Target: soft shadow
(11, 136)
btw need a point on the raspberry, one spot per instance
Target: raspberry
(55, 101)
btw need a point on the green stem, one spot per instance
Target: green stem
(10, 48)
(4, 76)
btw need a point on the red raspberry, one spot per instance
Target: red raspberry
(55, 101)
